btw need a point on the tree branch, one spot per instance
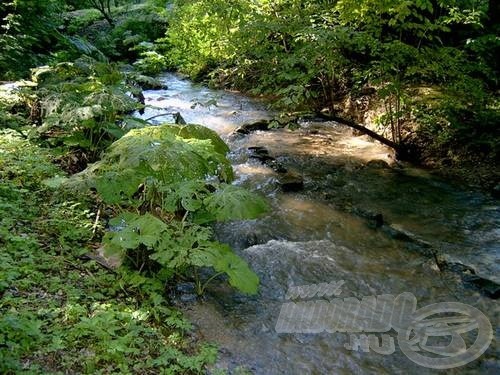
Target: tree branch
(362, 129)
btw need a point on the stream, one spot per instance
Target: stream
(353, 215)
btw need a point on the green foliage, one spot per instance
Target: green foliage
(19, 333)
(157, 155)
(151, 62)
(59, 314)
(11, 116)
(210, 26)
(131, 29)
(21, 162)
(27, 33)
(77, 21)
(307, 54)
(177, 247)
(145, 25)
(167, 173)
(230, 202)
(82, 104)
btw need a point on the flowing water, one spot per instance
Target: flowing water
(361, 217)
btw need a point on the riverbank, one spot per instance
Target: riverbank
(63, 308)
(474, 166)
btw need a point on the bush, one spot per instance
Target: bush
(82, 105)
(173, 182)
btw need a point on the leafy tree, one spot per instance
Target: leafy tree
(312, 54)
(104, 7)
(27, 32)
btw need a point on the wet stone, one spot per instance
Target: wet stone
(185, 287)
(487, 287)
(258, 149)
(277, 167)
(291, 182)
(260, 153)
(376, 220)
(254, 126)
(188, 297)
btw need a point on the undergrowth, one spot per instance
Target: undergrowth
(60, 312)
(149, 199)
(147, 195)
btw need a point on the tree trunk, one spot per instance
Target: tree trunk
(104, 7)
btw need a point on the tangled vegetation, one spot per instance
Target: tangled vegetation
(144, 195)
(60, 311)
(430, 65)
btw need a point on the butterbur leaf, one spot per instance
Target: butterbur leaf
(232, 203)
(240, 276)
(150, 229)
(111, 248)
(164, 256)
(191, 194)
(126, 238)
(134, 230)
(114, 130)
(114, 186)
(201, 132)
(176, 246)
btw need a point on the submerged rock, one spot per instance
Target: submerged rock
(261, 153)
(291, 182)
(278, 167)
(496, 191)
(378, 164)
(487, 287)
(375, 219)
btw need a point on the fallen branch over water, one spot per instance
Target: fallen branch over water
(362, 129)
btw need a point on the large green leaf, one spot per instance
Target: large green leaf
(232, 203)
(223, 259)
(134, 230)
(158, 154)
